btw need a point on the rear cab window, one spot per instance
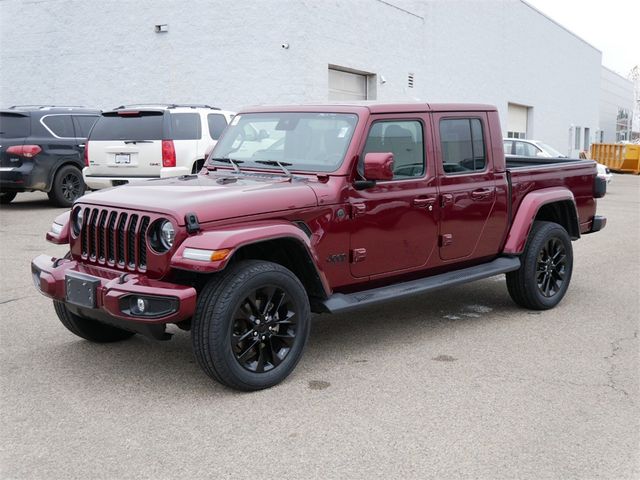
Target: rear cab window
(462, 145)
(124, 125)
(14, 125)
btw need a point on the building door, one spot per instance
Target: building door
(347, 85)
(517, 126)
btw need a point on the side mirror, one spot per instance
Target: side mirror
(378, 166)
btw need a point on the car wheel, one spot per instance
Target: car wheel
(68, 185)
(87, 328)
(547, 263)
(7, 197)
(251, 325)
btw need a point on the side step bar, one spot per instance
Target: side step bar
(340, 302)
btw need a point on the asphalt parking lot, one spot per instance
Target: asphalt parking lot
(456, 384)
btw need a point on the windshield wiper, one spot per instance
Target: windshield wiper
(138, 141)
(276, 163)
(233, 163)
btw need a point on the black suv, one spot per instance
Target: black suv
(42, 148)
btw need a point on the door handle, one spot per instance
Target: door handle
(482, 193)
(82, 145)
(423, 202)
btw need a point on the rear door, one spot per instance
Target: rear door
(466, 182)
(127, 143)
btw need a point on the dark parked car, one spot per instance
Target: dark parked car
(42, 148)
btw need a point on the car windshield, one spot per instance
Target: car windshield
(302, 141)
(550, 150)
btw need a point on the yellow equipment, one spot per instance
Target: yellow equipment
(618, 157)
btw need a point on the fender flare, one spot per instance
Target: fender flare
(234, 237)
(526, 214)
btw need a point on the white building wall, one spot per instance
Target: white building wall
(229, 54)
(616, 92)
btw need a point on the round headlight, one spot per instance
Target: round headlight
(167, 234)
(77, 220)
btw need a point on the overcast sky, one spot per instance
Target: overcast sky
(612, 26)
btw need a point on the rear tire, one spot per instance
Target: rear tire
(251, 325)
(88, 329)
(68, 185)
(547, 263)
(7, 197)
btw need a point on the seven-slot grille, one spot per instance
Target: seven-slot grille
(115, 238)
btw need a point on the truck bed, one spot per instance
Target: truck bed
(534, 173)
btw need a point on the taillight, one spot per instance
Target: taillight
(86, 154)
(28, 151)
(168, 154)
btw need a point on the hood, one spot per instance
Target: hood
(211, 197)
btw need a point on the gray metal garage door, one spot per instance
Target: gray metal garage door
(347, 85)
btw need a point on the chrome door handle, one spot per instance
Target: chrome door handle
(82, 145)
(482, 193)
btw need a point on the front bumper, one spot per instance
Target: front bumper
(112, 292)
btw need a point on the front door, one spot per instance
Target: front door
(394, 222)
(466, 181)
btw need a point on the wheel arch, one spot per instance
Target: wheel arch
(551, 204)
(57, 167)
(279, 242)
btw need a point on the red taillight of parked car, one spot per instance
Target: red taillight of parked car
(86, 154)
(28, 151)
(168, 154)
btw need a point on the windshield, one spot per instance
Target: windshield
(302, 141)
(550, 150)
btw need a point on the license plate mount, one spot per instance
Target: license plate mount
(123, 159)
(81, 289)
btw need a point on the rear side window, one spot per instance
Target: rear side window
(83, 124)
(185, 126)
(14, 126)
(217, 123)
(60, 125)
(140, 126)
(462, 143)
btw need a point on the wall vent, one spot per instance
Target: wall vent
(410, 80)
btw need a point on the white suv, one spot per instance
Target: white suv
(140, 142)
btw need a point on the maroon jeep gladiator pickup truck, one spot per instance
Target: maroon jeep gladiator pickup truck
(316, 209)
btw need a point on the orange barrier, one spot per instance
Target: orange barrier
(618, 157)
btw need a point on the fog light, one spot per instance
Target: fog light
(142, 305)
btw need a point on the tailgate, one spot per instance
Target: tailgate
(127, 143)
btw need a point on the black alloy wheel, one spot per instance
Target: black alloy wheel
(251, 325)
(545, 269)
(71, 186)
(550, 273)
(68, 186)
(264, 329)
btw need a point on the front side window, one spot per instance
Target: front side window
(60, 125)
(403, 138)
(462, 143)
(185, 126)
(300, 141)
(524, 149)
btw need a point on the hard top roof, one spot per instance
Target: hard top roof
(373, 108)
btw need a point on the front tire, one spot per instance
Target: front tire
(68, 185)
(545, 273)
(251, 325)
(88, 329)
